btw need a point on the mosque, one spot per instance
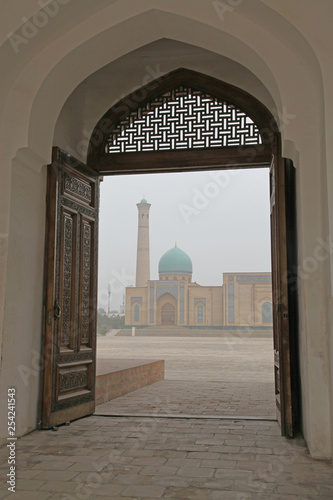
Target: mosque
(243, 299)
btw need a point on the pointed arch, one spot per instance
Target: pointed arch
(267, 312)
(200, 313)
(136, 313)
(266, 153)
(168, 314)
(235, 127)
(167, 309)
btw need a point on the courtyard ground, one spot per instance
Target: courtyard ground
(227, 375)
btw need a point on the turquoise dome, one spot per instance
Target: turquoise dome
(143, 200)
(176, 261)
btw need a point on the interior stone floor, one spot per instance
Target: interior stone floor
(151, 458)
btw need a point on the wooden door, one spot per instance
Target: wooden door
(284, 304)
(168, 315)
(70, 291)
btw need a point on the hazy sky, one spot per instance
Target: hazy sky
(220, 219)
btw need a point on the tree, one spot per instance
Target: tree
(106, 323)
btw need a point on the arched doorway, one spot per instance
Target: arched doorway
(267, 312)
(166, 308)
(200, 313)
(152, 130)
(168, 315)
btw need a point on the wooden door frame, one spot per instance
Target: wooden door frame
(190, 160)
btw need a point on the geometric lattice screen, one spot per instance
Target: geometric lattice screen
(182, 118)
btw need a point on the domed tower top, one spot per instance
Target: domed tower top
(175, 262)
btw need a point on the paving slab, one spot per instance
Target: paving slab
(210, 457)
(196, 398)
(163, 464)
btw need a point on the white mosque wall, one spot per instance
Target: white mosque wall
(20, 367)
(284, 44)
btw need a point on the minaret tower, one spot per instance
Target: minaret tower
(142, 258)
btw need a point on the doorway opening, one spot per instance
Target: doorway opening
(206, 231)
(184, 121)
(168, 315)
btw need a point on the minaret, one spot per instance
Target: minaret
(142, 258)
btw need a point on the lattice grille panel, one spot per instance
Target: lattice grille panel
(183, 118)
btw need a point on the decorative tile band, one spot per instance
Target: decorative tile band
(256, 277)
(199, 300)
(136, 299)
(172, 290)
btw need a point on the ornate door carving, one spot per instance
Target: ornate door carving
(69, 340)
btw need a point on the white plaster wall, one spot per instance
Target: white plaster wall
(97, 93)
(23, 304)
(286, 45)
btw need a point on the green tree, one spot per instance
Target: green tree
(106, 323)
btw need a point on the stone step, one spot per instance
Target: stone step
(180, 331)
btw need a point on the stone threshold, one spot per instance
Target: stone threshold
(184, 416)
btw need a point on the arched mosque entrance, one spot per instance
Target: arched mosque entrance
(183, 121)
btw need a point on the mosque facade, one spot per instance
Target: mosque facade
(242, 300)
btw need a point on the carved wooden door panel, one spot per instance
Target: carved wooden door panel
(281, 299)
(70, 291)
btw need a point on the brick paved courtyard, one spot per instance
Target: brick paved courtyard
(231, 375)
(195, 398)
(241, 357)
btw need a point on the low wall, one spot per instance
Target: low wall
(115, 378)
